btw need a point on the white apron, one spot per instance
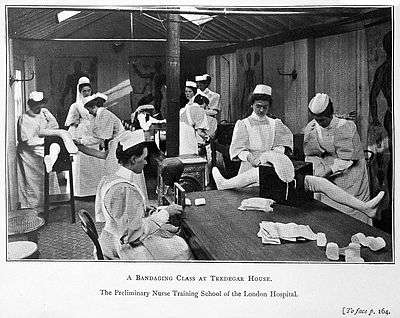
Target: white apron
(187, 135)
(260, 140)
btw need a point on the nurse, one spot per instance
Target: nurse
(107, 129)
(259, 133)
(129, 233)
(32, 127)
(78, 118)
(192, 121)
(333, 145)
(87, 171)
(212, 110)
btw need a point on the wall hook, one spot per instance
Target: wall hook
(13, 79)
(293, 74)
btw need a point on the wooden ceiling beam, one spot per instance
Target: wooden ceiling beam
(237, 25)
(314, 31)
(246, 20)
(61, 33)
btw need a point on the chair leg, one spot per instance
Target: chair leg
(72, 197)
(46, 197)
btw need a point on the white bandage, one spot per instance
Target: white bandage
(200, 201)
(51, 158)
(332, 251)
(321, 239)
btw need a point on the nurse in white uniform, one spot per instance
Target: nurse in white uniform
(192, 122)
(258, 133)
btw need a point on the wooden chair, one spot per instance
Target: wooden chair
(90, 229)
(63, 163)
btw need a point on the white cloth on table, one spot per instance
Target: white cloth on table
(338, 147)
(128, 234)
(30, 153)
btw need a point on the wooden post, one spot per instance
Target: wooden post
(11, 137)
(173, 79)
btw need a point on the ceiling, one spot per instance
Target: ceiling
(230, 27)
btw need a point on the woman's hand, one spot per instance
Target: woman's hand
(255, 162)
(173, 209)
(202, 134)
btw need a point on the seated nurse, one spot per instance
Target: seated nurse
(128, 232)
(334, 147)
(259, 133)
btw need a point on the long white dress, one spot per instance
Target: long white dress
(339, 144)
(256, 135)
(127, 233)
(86, 170)
(30, 153)
(191, 117)
(213, 105)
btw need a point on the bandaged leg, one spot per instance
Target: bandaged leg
(51, 158)
(240, 181)
(322, 185)
(65, 136)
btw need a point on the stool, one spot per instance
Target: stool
(25, 225)
(22, 250)
(63, 163)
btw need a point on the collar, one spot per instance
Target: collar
(124, 173)
(258, 118)
(334, 122)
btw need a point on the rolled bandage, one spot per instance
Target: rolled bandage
(332, 251)
(376, 243)
(353, 249)
(354, 259)
(321, 239)
(200, 201)
(51, 158)
(359, 238)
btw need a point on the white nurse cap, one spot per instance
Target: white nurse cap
(131, 138)
(318, 103)
(191, 84)
(263, 89)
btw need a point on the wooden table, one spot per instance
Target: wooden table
(219, 231)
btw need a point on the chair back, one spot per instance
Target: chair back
(90, 229)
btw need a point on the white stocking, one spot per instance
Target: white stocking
(331, 190)
(240, 181)
(65, 136)
(51, 158)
